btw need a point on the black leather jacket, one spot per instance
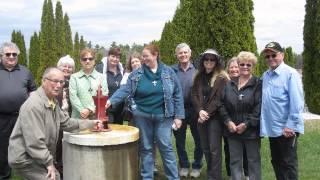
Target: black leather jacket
(242, 106)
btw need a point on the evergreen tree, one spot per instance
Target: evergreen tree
(76, 51)
(82, 44)
(245, 26)
(47, 55)
(34, 53)
(289, 57)
(311, 55)
(226, 26)
(261, 66)
(18, 38)
(60, 31)
(68, 35)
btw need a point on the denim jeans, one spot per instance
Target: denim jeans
(155, 127)
(180, 136)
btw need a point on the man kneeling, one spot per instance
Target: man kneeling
(32, 144)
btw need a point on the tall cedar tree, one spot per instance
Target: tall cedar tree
(82, 44)
(311, 55)
(175, 32)
(60, 31)
(34, 53)
(18, 38)
(48, 56)
(76, 51)
(207, 24)
(289, 57)
(68, 35)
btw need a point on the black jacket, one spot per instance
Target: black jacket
(242, 106)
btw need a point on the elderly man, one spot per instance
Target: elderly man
(32, 144)
(16, 84)
(281, 112)
(185, 72)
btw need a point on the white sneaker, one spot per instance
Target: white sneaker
(183, 172)
(195, 173)
(155, 171)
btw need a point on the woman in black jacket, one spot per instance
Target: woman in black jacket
(240, 111)
(206, 90)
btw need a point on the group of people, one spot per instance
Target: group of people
(215, 103)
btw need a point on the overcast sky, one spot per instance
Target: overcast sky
(141, 21)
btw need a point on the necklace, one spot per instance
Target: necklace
(244, 82)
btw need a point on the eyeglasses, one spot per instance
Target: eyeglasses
(272, 55)
(209, 59)
(243, 64)
(11, 54)
(62, 82)
(86, 59)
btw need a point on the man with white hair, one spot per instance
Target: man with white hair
(32, 144)
(16, 84)
(185, 71)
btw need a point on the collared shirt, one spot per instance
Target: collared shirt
(81, 89)
(186, 81)
(15, 86)
(282, 101)
(52, 104)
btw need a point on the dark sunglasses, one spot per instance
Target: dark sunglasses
(272, 55)
(86, 59)
(11, 54)
(209, 59)
(243, 64)
(56, 81)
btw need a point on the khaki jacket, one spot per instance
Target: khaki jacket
(35, 135)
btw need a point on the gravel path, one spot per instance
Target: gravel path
(310, 116)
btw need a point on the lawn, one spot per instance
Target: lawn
(308, 150)
(308, 154)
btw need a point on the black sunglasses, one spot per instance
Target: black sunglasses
(11, 54)
(243, 64)
(86, 59)
(272, 55)
(209, 59)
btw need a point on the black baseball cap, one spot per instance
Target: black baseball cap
(273, 46)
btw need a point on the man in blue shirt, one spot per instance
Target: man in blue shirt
(281, 112)
(186, 72)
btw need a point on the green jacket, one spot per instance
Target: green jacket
(81, 89)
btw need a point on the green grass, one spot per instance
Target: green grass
(308, 153)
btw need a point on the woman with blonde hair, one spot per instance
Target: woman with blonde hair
(240, 111)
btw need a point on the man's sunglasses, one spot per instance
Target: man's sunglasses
(11, 54)
(272, 55)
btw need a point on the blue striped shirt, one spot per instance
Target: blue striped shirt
(282, 101)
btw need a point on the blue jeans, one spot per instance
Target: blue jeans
(180, 136)
(155, 127)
